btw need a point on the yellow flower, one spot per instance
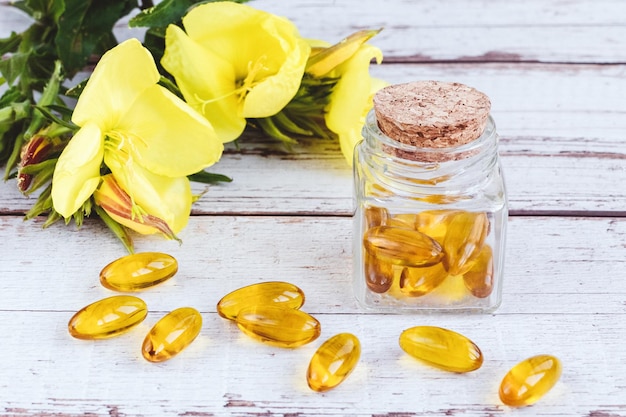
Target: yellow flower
(149, 139)
(234, 62)
(351, 98)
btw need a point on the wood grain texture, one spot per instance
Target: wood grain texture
(555, 71)
(546, 257)
(431, 31)
(563, 295)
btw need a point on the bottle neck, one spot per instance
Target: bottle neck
(409, 165)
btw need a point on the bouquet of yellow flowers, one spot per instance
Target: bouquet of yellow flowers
(153, 116)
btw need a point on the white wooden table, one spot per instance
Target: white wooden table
(556, 73)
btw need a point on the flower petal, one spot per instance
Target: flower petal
(266, 52)
(351, 98)
(166, 198)
(207, 82)
(272, 94)
(121, 75)
(77, 172)
(166, 136)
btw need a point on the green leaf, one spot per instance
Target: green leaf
(10, 44)
(34, 169)
(14, 67)
(10, 96)
(14, 112)
(161, 15)
(53, 217)
(45, 111)
(41, 174)
(167, 12)
(21, 5)
(42, 205)
(283, 121)
(83, 27)
(118, 230)
(57, 7)
(40, 6)
(209, 178)
(171, 86)
(8, 135)
(49, 95)
(75, 91)
(270, 128)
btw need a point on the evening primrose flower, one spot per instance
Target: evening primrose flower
(234, 62)
(335, 94)
(147, 137)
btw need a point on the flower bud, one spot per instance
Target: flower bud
(31, 169)
(118, 204)
(321, 62)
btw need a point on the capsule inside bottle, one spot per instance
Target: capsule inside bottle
(434, 223)
(375, 216)
(479, 277)
(401, 246)
(465, 237)
(416, 282)
(378, 274)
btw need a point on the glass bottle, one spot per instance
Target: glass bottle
(431, 206)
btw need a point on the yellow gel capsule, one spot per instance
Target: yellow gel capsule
(108, 317)
(172, 334)
(479, 278)
(401, 246)
(464, 239)
(416, 282)
(434, 223)
(333, 361)
(278, 326)
(273, 292)
(378, 274)
(138, 271)
(375, 216)
(441, 348)
(406, 221)
(530, 380)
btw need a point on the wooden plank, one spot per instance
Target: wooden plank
(564, 294)
(426, 31)
(224, 373)
(547, 31)
(544, 175)
(546, 257)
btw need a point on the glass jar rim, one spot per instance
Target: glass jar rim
(371, 130)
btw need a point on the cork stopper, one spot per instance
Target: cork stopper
(431, 115)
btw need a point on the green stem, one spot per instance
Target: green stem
(117, 229)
